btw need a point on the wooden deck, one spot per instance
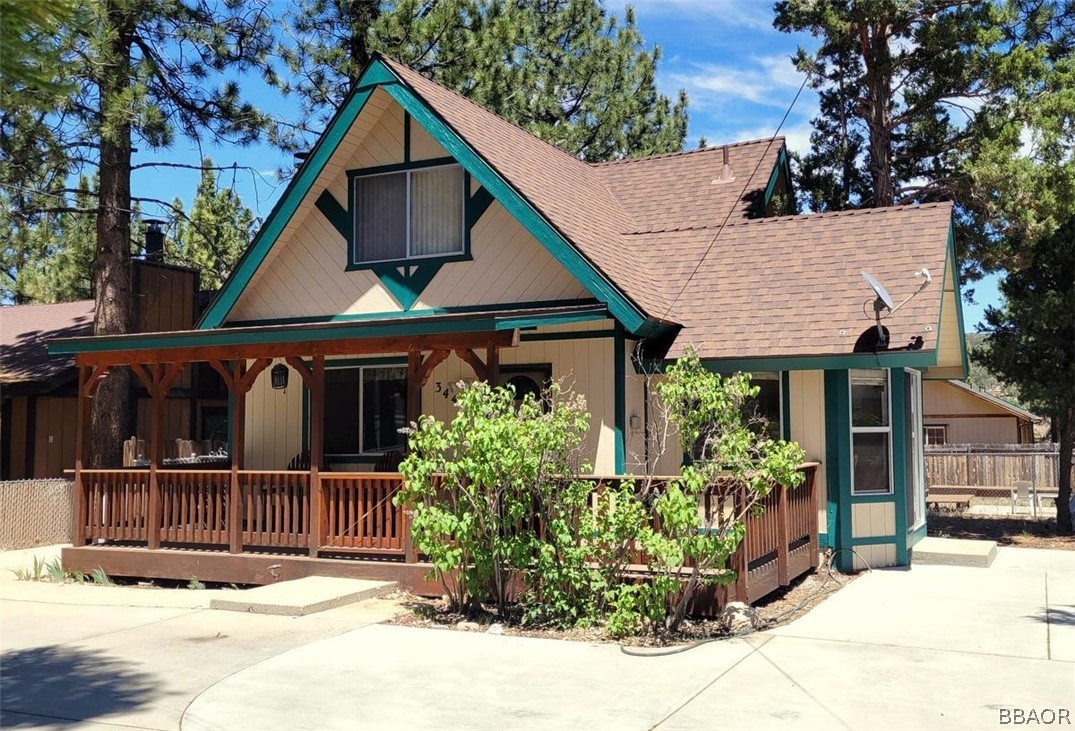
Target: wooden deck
(347, 525)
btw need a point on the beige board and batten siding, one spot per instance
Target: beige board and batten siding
(273, 423)
(873, 520)
(877, 556)
(949, 343)
(581, 365)
(970, 420)
(274, 417)
(806, 391)
(509, 265)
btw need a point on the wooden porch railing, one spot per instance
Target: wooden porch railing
(358, 517)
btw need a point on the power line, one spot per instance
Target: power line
(734, 205)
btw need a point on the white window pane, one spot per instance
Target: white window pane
(870, 456)
(437, 211)
(381, 217)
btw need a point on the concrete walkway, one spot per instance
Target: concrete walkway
(935, 647)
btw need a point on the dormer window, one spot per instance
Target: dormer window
(409, 214)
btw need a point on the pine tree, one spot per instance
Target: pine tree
(60, 268)
(929, 100)
(1031, 342)
(566, 70)
(215, 234)
(142, 71)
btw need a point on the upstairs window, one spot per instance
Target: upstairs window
(412, 214)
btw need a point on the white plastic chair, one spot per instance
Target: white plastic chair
(1024, 490)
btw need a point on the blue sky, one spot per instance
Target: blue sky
(735, 67)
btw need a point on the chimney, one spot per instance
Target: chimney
(725, 171)
(154, 240)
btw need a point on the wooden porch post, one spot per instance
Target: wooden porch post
(81, 441)
(782, 535)
(492, 365)
(238, 439)
(156, 453)
(317, 452)
(414, 388)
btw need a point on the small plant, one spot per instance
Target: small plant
(56, 571)
(100, 578)
(37, 573)
(194, 584)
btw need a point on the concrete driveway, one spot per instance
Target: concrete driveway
(931, 648)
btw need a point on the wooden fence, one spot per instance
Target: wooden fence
(992, 467)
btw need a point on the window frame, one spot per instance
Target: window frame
(887, 429)
(925, 435)
(406, 169)
(360, 454)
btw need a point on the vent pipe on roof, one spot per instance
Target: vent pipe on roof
(725, 171)
(154, 240)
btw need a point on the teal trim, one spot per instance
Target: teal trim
(431, 312)
(377, 74)
(407, 283)
(785, 405)
(619, 377)
(916, 535)
(577, 335)
(565, 318)
(367, 362)
(289, 202)
(876, 541)
(823, 540)
(774, 176)
(873, 498)
(401, 167)
(336, 214)
(838, 459)
(231, 336)
(900, 358)
(407, 138)
(630, 315)
(897, 409)
(965, 357)
(479, 204)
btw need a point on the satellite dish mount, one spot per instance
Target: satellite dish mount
(884, 301)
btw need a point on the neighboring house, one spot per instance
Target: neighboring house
(38, 393)
(958, 413)
(425, 241)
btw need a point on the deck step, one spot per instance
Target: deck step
(308, 595)
(932, 551)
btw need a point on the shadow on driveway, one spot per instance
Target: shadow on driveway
(69, 683)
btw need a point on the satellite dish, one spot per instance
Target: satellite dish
(884, 301)
(883, 297)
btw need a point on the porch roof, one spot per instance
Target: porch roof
(390, 332)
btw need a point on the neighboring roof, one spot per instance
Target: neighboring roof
(24, 332)
(789, 286)
(1000, 403)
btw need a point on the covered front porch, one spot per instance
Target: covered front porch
(225, 521)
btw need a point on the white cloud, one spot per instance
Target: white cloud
(753, 14)
(768, 80)
(797, 134)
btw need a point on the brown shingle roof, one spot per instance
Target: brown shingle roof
(764, 287)
(677, 190)
(24, 334)
(593, 206)
(792, 286)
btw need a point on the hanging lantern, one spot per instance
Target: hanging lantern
(279, 376)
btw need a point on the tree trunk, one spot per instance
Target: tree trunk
(110, 414)
(877, 57)
(1066, 425)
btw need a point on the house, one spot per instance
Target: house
(38, 393)
(426, 241)
(955, 412)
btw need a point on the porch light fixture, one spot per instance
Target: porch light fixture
(279, 377)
